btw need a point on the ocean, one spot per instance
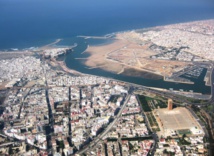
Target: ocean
(33, 23)
(28, 23)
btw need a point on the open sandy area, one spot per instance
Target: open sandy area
(177, 119)
(98, 56)
(126, 54)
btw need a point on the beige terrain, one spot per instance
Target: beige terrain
(126, 54)
(99, 54)
(162, 50)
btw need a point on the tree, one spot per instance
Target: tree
(10, 151)
(17, 150)
(35, 142)
(27, 147)
(61, 145)
(183, 136)
(165, 151)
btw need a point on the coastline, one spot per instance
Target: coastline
(47, 46)
(100, 62)
(184, 93)
(114, 66)
(66, 69)
(12, 54)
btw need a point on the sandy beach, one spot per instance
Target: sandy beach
(66, 69)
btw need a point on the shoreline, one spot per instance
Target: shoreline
(66, 69)
(120, 71)
(47, 46)
(184, 93)
(170, 80)
(31, 49)
(77, 73)
(121, 68)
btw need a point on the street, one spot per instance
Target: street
(99, 138)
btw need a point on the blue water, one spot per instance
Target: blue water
(198, 86)
(26, 23)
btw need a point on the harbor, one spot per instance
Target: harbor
(197, 85)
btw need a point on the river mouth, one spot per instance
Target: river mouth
(129, 75)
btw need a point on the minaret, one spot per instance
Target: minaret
(170, 104)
